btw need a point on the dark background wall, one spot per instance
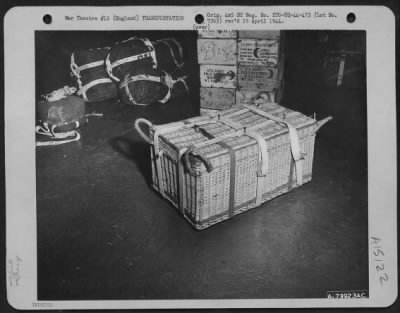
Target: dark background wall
(311, 77)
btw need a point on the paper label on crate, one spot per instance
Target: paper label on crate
(254, 96)
(217, 51)
(217, 33)
(258, 52)
(260, 34)
(257, 77)
(217, 98)
(218, 76)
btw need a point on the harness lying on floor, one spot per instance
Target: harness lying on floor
(59, 116)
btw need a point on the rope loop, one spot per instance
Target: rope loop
(192, 151)
(138, 123)
(74, 67)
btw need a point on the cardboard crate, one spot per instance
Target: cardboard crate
(257, 77)
(217, 51)
(218, 76)
(217, 98)
(258, 52)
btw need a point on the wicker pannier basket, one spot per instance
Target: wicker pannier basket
(154, 86)
(88, 69)
(212, 168)
(129, 56)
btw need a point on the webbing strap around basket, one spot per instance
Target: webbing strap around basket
(150, 46)
(131, 58)
(263, 159)
(161, 130)
(110, 66)
(75, 69)
(181, 183)
(90, 65)
(232, 174)
(232, 157)
(147, 43)
(165, 41)
(263, 163)
(294, 141)
(151, 53)
(290, 178)
(252, 132)
(82, 91)
(144, 77)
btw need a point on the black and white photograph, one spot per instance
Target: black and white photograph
(105, 233)
(201, 164)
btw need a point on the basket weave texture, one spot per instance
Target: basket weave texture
(212, 168)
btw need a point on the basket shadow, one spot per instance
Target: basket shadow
(136, 151)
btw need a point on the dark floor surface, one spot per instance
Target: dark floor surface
(103, 233)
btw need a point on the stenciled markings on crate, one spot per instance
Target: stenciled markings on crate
(218, 76)
(217, 98)
(259, 34)
(257, 77)
(216, 51)
(258, 52)
(254, 96)
(217, 33)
